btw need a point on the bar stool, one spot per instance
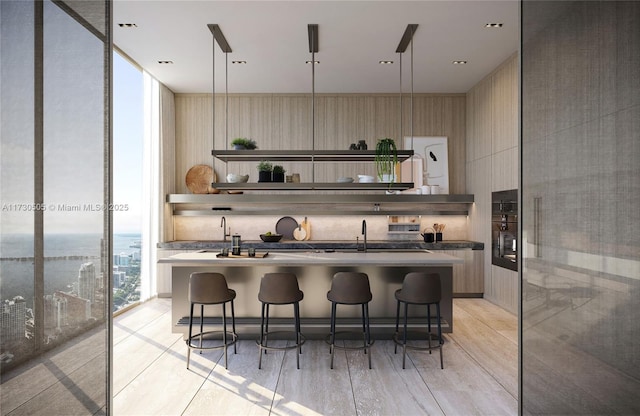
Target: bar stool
(211, 289)
(350, 288)
(419, 289)
(279, 289)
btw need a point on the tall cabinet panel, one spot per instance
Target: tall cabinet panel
(492, 165)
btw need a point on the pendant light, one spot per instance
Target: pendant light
(312, 30)
(218, 37)
(407, 39)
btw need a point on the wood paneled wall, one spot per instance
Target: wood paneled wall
(492, 165)
(283, 121)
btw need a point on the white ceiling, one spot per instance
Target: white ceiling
(353, 37)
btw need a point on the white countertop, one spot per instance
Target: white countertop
(379, 258)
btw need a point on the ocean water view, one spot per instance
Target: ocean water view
(64, 255)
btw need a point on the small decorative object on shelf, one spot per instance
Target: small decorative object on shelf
(242, 143)
(278, 173)
(386, 160)
(362, 145)
(265, 169)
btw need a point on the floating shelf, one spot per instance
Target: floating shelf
(319, 204)
(312, 186)
(303, 155)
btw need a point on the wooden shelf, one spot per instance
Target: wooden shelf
(303, 155)
(313, 186)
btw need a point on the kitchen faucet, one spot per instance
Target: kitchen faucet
(364, 233)
(223, 224)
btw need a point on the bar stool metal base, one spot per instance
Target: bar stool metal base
(228, 339)
(400, 340)
(332, 346)
(300, 340)
(264, 334)
(200, 335)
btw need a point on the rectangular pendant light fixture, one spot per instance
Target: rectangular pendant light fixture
(313, 38)
(219, 37)
(406, 38)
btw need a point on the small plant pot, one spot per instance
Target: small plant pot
(264, 176)
(239, 147)
(278, 176)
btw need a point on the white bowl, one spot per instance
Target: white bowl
(365, 179)
(233, 178)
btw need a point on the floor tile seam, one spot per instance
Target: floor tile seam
(353, 391)
(426, 384)
(275, 388)
(487, 370)
(133, 378)
(133, 332)
(487, 325)
(204, 380)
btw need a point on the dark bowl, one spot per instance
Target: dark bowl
(273, 238)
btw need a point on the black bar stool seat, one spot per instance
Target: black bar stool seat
(350, 288)
(419, 289)
(211, 289)
(279, 289)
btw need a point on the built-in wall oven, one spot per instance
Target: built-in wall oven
(504, 229)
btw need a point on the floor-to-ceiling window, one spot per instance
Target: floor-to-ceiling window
(128, 148)
(55, 171)
(580, 190)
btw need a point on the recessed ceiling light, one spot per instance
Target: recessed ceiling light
(493, 25)
(127, 25)
(315, 62)
(165, 62)
(459, 62)
(385, 62)
(239, 62)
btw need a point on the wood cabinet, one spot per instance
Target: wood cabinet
(468, 277)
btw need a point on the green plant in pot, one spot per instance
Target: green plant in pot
(242, 143)
(265, 169)
(278, 173)
(386, 159)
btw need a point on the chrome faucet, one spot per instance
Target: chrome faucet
(223, 224)
(364, 233)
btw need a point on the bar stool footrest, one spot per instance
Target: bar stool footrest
(345, 347)
(288, 347)
(232, 338)
(397, 338)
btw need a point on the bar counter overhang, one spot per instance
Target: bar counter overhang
(314, 269)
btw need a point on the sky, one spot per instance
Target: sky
(128, 130)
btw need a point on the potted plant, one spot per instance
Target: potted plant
(386, 159)
(278, 173)
(241, 143)
(264, 171)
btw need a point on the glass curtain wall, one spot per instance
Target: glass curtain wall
(56, 215)
(580, 199)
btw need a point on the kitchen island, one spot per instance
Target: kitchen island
(314, 268)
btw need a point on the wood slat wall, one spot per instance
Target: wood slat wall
(283, 121)
(492, 165)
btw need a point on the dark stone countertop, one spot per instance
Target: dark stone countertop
(324, 245)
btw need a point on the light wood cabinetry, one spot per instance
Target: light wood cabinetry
(468, 277)
(163, 272)
(492, 165)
